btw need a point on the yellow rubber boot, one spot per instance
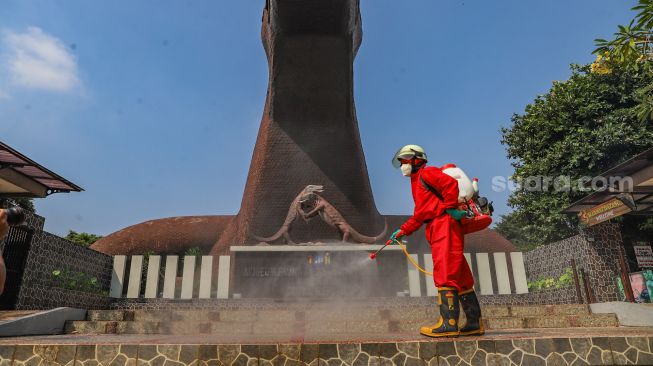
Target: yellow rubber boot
(447, 325)
(472, 309)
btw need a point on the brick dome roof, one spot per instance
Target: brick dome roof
(488, 241)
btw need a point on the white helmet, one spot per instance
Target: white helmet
(407, 152)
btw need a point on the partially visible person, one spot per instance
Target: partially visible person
(4, 229)
(4, 225)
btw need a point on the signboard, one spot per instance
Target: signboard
(603, 212)
(642, 285)
(258, 271)
(644, 255)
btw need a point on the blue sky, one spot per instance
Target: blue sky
(145, 103)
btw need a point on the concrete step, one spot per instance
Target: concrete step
(325, 313)
(7, 315)
(261, 315)
(560, 321)
(542, 310)
(293, 326)
(325, 319)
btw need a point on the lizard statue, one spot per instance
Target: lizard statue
(334, 218)
(294, 210)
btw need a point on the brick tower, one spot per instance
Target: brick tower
(309, 132)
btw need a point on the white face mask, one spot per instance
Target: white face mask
(406, 169)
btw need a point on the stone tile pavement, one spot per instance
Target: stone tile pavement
(589, 346)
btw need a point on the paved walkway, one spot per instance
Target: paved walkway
(588, 346)
(593, 346)
(504, 334)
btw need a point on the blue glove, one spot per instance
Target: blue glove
(456, 214)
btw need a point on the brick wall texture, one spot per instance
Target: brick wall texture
(596, 251)
(49, 252)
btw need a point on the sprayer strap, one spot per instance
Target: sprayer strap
(430, 188)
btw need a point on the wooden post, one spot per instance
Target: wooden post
(588, 288)
(579, 295)
(625, 278)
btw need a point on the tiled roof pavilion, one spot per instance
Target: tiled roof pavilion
(640, 171)
(20, 176)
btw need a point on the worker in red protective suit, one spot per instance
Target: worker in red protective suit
(436, 200)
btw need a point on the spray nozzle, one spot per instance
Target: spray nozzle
(373, 255)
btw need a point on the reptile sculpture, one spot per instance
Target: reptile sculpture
(334, 218)
(294, 210)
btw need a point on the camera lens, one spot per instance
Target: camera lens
(15, 216)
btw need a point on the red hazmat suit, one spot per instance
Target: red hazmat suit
(444, 234)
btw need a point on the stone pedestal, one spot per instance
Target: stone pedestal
(315, 271)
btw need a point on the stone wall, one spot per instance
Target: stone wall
(605, 243)
(596, 251)
(551, 260)
(46, 297)
(49, 252)
(34, 221)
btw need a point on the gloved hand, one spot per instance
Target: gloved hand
(397, 234)
(456, 214)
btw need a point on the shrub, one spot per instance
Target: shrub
(77, 281)
(545, 283)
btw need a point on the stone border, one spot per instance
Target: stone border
(531, 352)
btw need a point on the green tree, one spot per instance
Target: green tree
(631, 48)
(83, 239)
(25, 203)
(512, 228)
(581, 127)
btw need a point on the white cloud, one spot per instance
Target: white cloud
(4, 95)
(37, 60)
